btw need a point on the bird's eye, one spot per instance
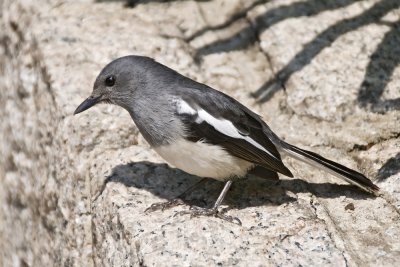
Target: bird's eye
(110, 81)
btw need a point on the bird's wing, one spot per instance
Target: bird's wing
(215, 118)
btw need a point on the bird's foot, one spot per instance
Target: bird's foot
(197, 212)
(165, 205)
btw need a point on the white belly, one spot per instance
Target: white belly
(203, 160)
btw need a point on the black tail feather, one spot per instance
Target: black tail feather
(335, 168)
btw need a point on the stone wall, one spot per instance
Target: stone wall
(73, 189)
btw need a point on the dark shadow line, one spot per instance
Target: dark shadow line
(321, 41)
(248, 36)
(235, 17)
(391, 167)
(379, 71)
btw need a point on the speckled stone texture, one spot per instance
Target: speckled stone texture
(73, 189)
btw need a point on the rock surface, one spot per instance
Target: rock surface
(73, 190)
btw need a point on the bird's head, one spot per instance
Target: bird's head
(117, 83)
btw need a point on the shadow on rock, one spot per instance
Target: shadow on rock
(168, 183)
(391, 167)
(382, 62)
(263, 22)
(379, 72)
(243, 42)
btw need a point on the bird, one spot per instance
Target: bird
(201, 130)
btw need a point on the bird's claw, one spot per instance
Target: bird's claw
(197, 212)
(164, 205)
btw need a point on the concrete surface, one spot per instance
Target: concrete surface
(74, 189)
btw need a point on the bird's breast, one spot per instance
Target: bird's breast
(203, 159)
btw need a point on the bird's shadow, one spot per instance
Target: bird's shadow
(378, 72)
(168, 183)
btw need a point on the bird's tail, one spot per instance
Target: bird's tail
(334, 168)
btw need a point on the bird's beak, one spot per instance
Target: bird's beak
(88, 103)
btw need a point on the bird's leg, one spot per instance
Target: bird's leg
(197, 211)
(176, 201)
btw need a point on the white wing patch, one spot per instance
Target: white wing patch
(184, 108)
(223, 126)
(226, 127)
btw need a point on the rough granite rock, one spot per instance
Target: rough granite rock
(73, 189)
